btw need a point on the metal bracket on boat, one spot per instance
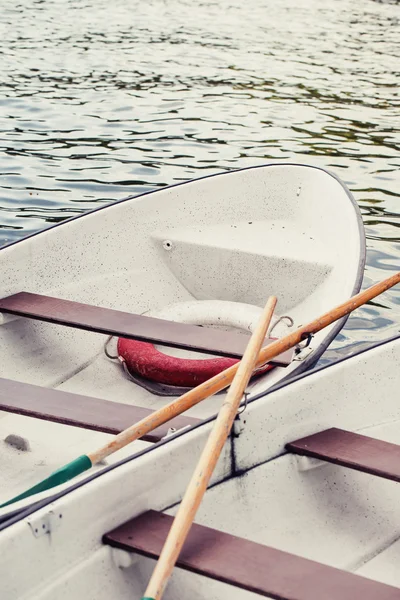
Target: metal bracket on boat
(307, 463)
(123, 559)
(306, 346)
(46, 522)
(307, 338)
(303, 354)
(6, 318)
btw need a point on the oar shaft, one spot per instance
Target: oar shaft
(222, 380)
(208, 460)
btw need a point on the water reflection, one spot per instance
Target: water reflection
(100, 101)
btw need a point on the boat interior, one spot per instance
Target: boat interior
(236, 237)
(303, 504)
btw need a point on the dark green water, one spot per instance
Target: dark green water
(104, 99)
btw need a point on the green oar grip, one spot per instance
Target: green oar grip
(62, 475)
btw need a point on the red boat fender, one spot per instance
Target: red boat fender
(146, 360)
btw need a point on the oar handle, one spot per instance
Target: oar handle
(208, 460)
(222, 380)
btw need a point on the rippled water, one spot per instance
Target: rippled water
(103, 99)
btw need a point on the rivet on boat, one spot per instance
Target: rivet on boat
(167, 245)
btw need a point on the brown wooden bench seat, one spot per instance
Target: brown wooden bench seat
(138, 327)
(79, 411)
(351, 450)
(248, 565)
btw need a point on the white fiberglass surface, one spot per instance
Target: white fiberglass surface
(39, 447)
(355, 394)
(324, 512)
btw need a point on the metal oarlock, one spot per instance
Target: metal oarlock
(306, 337)
(300, 348)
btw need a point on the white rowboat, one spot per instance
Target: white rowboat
(216, 248)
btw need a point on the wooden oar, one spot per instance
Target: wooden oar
(209, 457)
(204, 390)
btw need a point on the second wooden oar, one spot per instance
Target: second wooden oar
(209, 457)
(204, 390)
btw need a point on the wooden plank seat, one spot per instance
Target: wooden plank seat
(139, 327)
(79, 411)
(247, 565)
(351, 450)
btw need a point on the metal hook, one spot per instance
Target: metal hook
(106, 352)
(106, 349)
(289, 319)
